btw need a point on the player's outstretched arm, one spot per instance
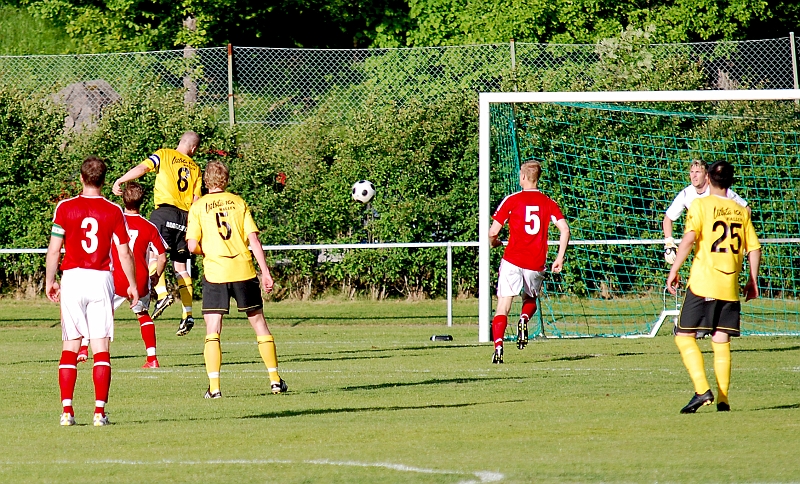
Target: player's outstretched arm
(680, 256)
(751, 288)
(563, 243)
(52, 289)
(255, 245)
(126, 261)
(132, 174)
(494, 234)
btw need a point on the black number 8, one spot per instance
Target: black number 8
(183, 179)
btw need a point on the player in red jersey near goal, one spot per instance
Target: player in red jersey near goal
(529, 214)
(88, 227)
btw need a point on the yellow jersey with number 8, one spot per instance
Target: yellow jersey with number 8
(221, 222)
(724, 234)
(178, 178)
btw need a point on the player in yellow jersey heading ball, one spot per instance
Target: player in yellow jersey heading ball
(722, 233)
(220, 228)
(177, 186)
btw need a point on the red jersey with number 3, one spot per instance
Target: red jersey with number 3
(529, 214)
(143, 235)
(90, 226)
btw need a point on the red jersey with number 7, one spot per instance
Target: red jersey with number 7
(143, 235)
(90, 226)
(529, 214)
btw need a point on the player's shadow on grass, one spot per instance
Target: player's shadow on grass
(779, 407)
(767, 350)
(322, 320)
(364, 353)
(328, 411)
(434, 381)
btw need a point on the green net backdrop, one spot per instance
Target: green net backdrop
(615, 168)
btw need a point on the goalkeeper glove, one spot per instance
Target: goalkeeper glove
(670, 250)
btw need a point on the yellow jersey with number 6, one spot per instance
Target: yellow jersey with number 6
(178, 178)
(724, 234)
(221, 222)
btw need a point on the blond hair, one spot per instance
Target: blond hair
(216, 175)
(532, 170)
(699, 163)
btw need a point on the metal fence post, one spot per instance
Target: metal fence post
(449, 284)
(231, 118)
(794, 62)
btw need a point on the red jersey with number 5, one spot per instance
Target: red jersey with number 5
(529, 214)
(90, 227)
(143, 235)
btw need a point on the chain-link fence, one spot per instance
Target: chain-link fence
(275, 88)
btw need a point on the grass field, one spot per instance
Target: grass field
(372, 399)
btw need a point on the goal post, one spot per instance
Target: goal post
(487, 100)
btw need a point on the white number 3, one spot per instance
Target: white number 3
(531, 216)
(90, 243)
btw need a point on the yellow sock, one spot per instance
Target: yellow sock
(161, 286)
(212, 353)
(185, 291)
(722, 369)
(266, 346)
(693, 361)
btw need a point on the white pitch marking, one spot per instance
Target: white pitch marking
(482, 476)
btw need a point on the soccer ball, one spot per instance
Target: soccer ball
(363, 191)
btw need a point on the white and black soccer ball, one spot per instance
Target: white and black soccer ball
(363, 191)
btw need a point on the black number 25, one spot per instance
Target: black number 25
(733, 232)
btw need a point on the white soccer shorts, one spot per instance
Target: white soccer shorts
(142, 306)
(512, 279)
(87, 304)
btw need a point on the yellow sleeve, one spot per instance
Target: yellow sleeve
(153, 162)
(249, 224)
(198, 185)
(193, 228)
(694, 219)
(750, 237)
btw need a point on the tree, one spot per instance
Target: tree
(441, 22)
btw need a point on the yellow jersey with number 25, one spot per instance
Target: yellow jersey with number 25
(178, 178)
(221, 222)
(724, 234)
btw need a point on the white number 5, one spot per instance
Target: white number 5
(90, 243)
(530, 216)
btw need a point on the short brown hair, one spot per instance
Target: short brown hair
(133, 195)
(532, 170)
(721, 174)
(93, 172)
(216, 175)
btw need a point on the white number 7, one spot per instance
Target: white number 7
(530, 216)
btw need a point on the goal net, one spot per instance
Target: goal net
(614, 161)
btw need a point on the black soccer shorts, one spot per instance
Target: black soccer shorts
(217, 296)
(171, 224)
(705, 314)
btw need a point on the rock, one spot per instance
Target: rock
(85, 102)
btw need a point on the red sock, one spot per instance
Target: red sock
(67, 375)
(101, 374)
(528, 308)
(148, 329)
(499, 324)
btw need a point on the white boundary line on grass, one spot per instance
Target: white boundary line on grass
(482, 476)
